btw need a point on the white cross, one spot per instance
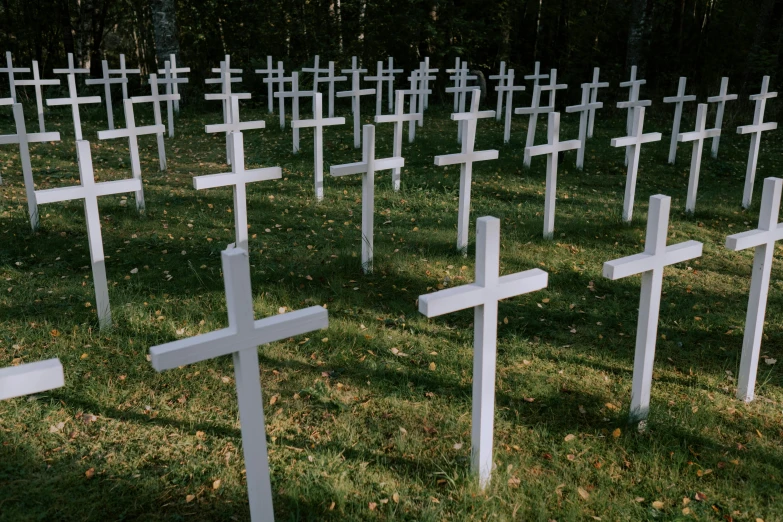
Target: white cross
(10, 69)
(508, 88)
(553, 147)
(423, 78)
(698, 136)
(280, 79)
(594, 86)
(314, 69)
(391, 71)
(132, 133)
(398, 118)
(355, 94)
(90, 191)
(295, 94)
(461, 89)
(501, 77)
(123, 72)
(633, 86)
(585, 109)
(537, 75)
(379, 78)
(73, 98)
(155, 98)
(238, 177)
(330, 78)
(536, 108)
(455, 71)
(763, 239)
(23, 139)
(107, 81)
(634, 143)
(37, 82)
(367, 168)
(427, 71)
(755, 131)
(225, 80)
(415, 93)
(318, 123)
(270, 74)
(721, 99)
(171, 82)
(35, 377)
(677, 101)
(650, 264)
(241, 339)
(465, 159)
(483, 297)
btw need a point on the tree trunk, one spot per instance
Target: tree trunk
(637, 35)
(164, 23)
(66, 27)
(98, 26)
(755, 59)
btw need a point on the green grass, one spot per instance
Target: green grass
(357, 418)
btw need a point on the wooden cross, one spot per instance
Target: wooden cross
(501, 77)
(367, 168)
(634, 143)
(585, 108)
(426, 76)
(461, 89)
(422, 79)
(280, 79)
(238, 178)
(10, 69)
(508, 88)
(755, 131)
(355, 94)
(270, 74)
(37, 82)
(171, 82)
(698, 136)
(414, 93)
(537, 75)
(594, 86)
(29, 378)
(379, 78)
(107, 81)
(455, 71)
(24, 139)
(318, 123)
(398, 118)
(73, 98)
(633, 86)
(465, 159)
(763, 239)
(241, 339)
(721, 100)
(123, 72)
(650, 264)
(225, 80)
(89, 191)
(553, 147)
(295, 94)
(677, 101)
(536, 108)
(155, 98)
(391, 71)
(315, 70)
(483, 297)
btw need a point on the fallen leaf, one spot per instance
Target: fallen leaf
(657, 505)
(189, 498)
(570, 437)
(616, 433)
(432, 366)
(583, 493)
(216, 484)
(90, 473)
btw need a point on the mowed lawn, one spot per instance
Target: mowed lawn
(370, 419)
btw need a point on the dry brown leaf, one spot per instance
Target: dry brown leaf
(583, 493)
(90, 473)
(657, 505)
(189, 498)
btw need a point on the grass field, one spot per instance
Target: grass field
(370, 419)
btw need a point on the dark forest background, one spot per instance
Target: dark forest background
(701, 39)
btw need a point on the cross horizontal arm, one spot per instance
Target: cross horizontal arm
(462, 116)
(221, 80)
(125, 133)
(632, 82)
(561, 146)
(644, 262)
(56, 195)
(102, 81)
(322, 122)
(632, 104)
(754, 238)
(675, 99)
(453, 159)
(37, 137)
(35, 377)
(248, 176)
(534, 110)
(749, 129)
(229, 127)
(696, 135)
(392, 118)
(345, 94)
(221, 96)
(72, 101)
(585, 107)
(762, 96)
(164, 80)
(719, 98)
(41, 81)
(635, 140)
(346, 169)
(162, 71)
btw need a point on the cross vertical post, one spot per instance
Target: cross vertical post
(398, 118)
(677, 101)
(697, 137)
(355, 94)
(123, 72)
(633, 85)
(37, 82)
(501, 77)
(29, 378)
(755, 131)
(584, 109)
(390, 80)
(508, 88)
(107, 81)
(10, 70)
(73, 98)
(721, 100)
(594, 86)
(155, 98)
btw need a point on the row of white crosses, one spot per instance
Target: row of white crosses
(225, 80)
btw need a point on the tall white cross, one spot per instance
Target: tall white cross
(465, 159)
(73, 98)
(427, 73)
(315, 70)
(318, 123)
(721, 99)
(634, 143)
(10, 69)
(536, 108)
(107, 82)
(508, 88)
(423, 78)
(755, 131)
(171, 81)
(37, 82)
(379, 78)
(391, 71)
(238, 178)
(155, 98)
(483, 297)
(398, 118)
(650, 264)
(414, 93)
(594, 86)
(698, 136)
(123, 72)
(537, 75)
(270, 74)
(295, 94)
(501, 77)
(763, 239)
(29, 378)
(330, 78)
(277, 76)
(455, 71)
(677, 101)
(367, 168)
(461, 89)
(553, 147)
(23, 139)
(633, 85)
(241, 339)
(355, 94)
(585, 108)
(89, 191)
(225, 80)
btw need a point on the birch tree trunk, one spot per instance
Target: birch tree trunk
(164, 23)
(637, 35)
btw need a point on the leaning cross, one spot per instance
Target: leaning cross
(501, 77)
(155, 98)
(535, 109)
(241, 339)
(330, 78)
(594, 86)
(755, 131)
(270, 72)
(379, 78)
(537, 75)
(123, 72)
(29, 378)
(10, 69)
(427, 71)
(415, 93)
(107, 81)
(721, 100)
(460, 90)
(73, 99)
(650, 264)
(698, 136)
(314, 69)
(633, 86)
(355, 94)
(677, 101)
(398, 118)
(172, 81)
(37, 82)
(280, 79)
(295, 94)
(225, 80)
(483, 297)
(508, 88)
(455, 71)
(585, 109)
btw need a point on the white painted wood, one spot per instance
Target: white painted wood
(331, 79)
(465, 159)
(295, 94)
(29, 378)
(678, 102)
(698, 136)
(24, 139)
(650, 264)
(594, 86)
(124, 72)
(155, 98)
(633, 85)
(461, 89)
(455, 72)
(763, 239)
(427, 76)
(225, 80)
(721, 99)
(367, 168)
(379, 78)
(37, 82)
(270, 75)
(553, 147)
(171, 81)
(483, 297)
(398, 118)
(415, 93)
(585, 108)
(536, 108)
(422, 79)
(277, 76)
(507, 87)
(315, 70)
(5, 101)
(90, 191)
(355, 94)
(634, 143)
(318, 122)
(537, 75)
(501, 77)
(390, 72)
(73, 98)
(107, 82)
(10, 70)
(241, 339)
(755, 131)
